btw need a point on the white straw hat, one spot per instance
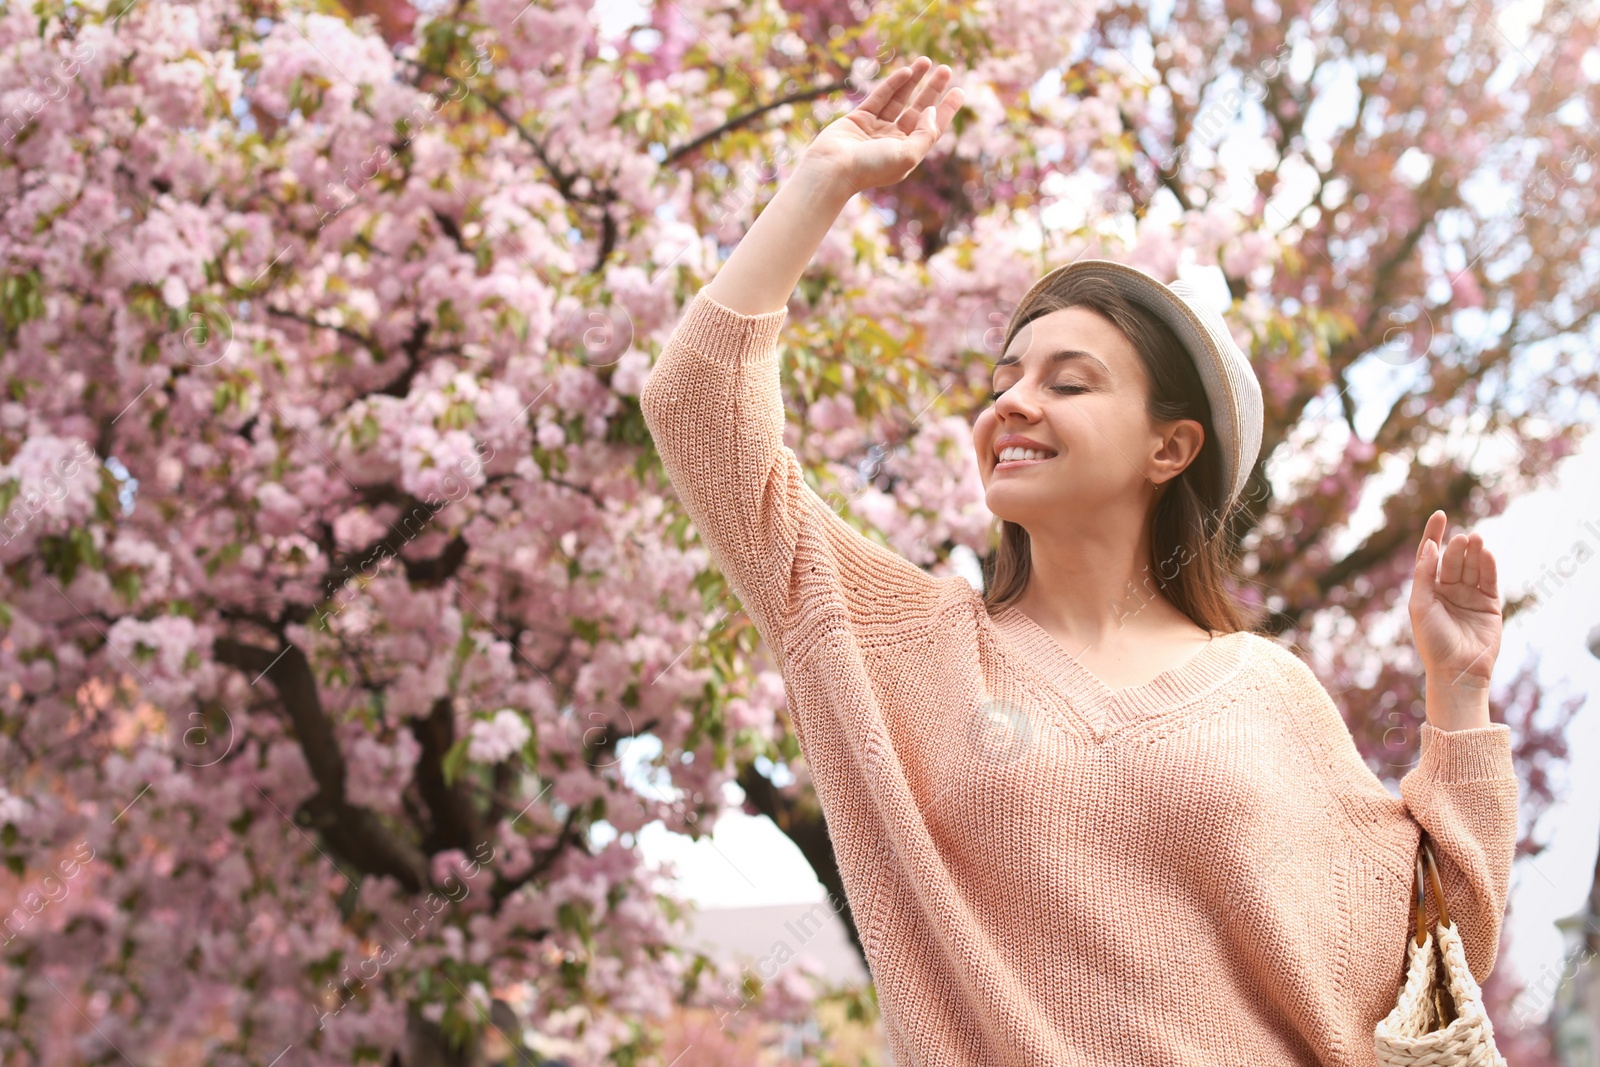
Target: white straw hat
(1225, 371)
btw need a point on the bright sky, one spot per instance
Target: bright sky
(1550, 536)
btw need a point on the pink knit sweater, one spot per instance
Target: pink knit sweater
(1198, 870)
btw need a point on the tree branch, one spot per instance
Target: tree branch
(802, 821)
(414, 518)
(343, 331)
(503, 887)
(739, 121)
(353, 833)
(1391, 538)
(453, 821)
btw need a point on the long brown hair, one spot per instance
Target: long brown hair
(1190, 555)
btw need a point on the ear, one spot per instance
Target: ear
(1176, 448)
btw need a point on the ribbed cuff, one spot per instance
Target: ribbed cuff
(1480, 754)
(729, 337)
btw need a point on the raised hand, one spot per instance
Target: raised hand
(1455, 611)
(889, 132)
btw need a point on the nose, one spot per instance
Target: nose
(1016, 400)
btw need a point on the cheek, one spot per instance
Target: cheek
(1110, 442)
(1089, 425)
(981, 431)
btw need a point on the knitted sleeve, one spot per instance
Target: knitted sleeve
(1463, 791)
(714, 408)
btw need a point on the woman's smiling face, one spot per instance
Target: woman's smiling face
(1072, 387)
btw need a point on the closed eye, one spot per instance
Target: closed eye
(995, 394)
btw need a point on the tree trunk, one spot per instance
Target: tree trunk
(426, 1045)
(798, 815)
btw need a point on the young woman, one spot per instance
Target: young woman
(1079, 825)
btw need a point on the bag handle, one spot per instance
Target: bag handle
(1425, 851)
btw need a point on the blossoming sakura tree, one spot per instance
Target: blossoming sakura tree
(339, 575)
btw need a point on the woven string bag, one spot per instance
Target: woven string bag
(1439, 1020)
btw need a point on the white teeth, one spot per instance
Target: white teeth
(1008, 454)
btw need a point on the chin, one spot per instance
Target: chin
(1010, 506)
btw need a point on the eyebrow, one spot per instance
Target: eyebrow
(1058, 357)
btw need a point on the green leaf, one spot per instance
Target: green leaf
(456, 1027)
(628, 426)
(128, 583)
(574, 917)
(458, 416)
(367, 433)
(21, 298)
(64, 554)
(454, 760)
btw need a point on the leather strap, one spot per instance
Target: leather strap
(1419, 906)
(1428, 871)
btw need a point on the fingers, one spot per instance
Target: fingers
(1454, 559)
(1432, 531)
(950, 105)
(889, 96)
(1471, 558)
(1488, 576)
(933, 121)
(1427, 565)
(905, 95)
(927, 96)
(1465, 559)
(1477, 565)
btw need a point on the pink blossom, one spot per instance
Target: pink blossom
(497, 738)
(1465, 291)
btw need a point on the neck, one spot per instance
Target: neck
(1098, 594)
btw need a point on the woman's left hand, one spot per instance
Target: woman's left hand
(1455, 609)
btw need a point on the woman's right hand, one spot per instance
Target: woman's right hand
(888, 133)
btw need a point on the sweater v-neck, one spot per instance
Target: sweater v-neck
(1098, 707)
